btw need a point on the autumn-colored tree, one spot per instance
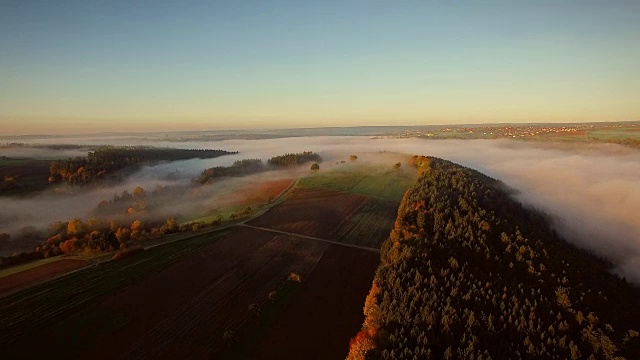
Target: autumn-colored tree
(353, 157)
(69, 246)
(139, 192)
(123, 234)
(76, 227)
(137, 230)
(171, 226)
(113, 225)
(360, 345)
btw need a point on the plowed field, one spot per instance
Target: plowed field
(183, 309)
(316, 213)
(322, 317)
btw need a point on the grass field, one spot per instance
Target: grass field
(367, 180)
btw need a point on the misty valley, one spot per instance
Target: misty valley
(357, 243)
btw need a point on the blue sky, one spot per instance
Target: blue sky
(83, 66)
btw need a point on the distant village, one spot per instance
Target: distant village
(511, 131)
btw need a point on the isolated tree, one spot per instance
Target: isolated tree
(171, 226)
(315, 167)
(397, 165)
(137, 229)
(138, 192)
(353, 157)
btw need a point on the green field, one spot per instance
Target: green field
(48, 302)
(339, 179)
(367, 180)
(617, 134)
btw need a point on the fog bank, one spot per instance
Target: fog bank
(591, 190)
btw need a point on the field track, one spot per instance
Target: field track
(316, 213)
(376, 250)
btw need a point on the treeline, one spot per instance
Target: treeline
(468, 272)
(97, 235)
(121, 224)
(239, 168)
(8, 145)
(252, 166)
(108, 160)
(295, 159)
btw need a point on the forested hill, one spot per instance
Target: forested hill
(109, 159)
(468, 272)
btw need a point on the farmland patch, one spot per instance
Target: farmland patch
(323, 315)
(40, 273)
(311, 212)
(27, 311)
(388, 184)
(371, 225)
(188, 307)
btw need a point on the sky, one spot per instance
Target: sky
(88, 66)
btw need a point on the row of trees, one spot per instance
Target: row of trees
(468, 272)
(252, 166)
(95, 235)
(295, 159)
(238, 168)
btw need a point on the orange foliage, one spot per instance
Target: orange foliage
(360, 345)
(68, 246)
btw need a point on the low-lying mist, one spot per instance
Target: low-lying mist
(592, 191)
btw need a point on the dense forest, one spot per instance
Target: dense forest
(251, 166)
(468, 272)
(108, 160)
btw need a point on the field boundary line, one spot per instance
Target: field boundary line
(311, 238)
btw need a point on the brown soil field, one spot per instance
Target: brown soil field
(184, 310)
(255, 193)
(312, 212)
(320, 320)
(40, 273)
